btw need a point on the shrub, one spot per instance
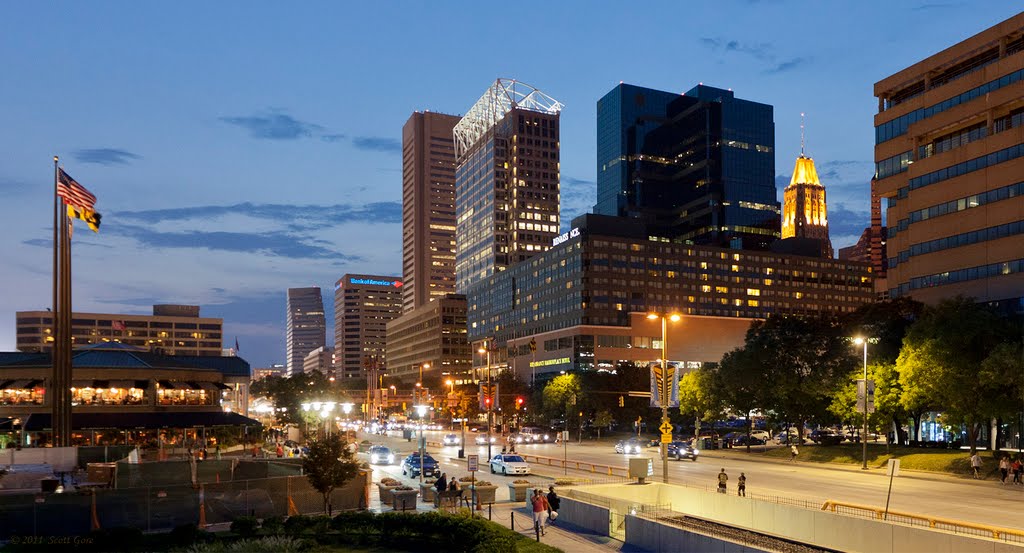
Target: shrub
(403, 489)
(521, 481)
(269, 544)
(120, 539)
(273, 525)
(184, 534)
(297, 524)
(245, 526)
(480, 483)
(389, 482)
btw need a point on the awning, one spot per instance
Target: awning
(209, 387)
(17, 385)
(122, 384)
(6, 384)
(221, 386)
(32, 384)
(166, 384)
(80, 384)
(129, 420)
(141, 384)
(193, 385)
(100, 383)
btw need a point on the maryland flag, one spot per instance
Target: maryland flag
(81, 203)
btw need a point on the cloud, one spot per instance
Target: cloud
(377, 144)
(280, 244)
(935, 6)
(304, 217)
(332, 137)
(274, 126)
(578, 182)
(762, 51)
(787, 65)
(48, 242)
(105, 156)
(843, 221)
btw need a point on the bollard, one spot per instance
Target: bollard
(512, 520)
(489, 511)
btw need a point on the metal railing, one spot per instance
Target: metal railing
(924, 521)
(576, 465)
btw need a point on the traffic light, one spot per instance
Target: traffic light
(519, 403)
(622, 401)
(487, 402)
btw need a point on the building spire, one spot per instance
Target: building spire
(801, 134)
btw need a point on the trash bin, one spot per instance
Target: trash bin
(407, 434)
(462, 453)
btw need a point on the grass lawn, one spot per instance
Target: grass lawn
(952, 461)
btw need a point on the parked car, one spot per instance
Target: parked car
(761, 435)
(509, 464)
(682, 450)
(632, 446)
(742, 440)
(451, 439)
(411, 465)
(824, 436)
(381, 455)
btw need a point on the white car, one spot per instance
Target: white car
(450, 439)
(509, 464)
(481, 439)
(760, 435)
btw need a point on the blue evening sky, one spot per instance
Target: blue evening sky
(241, 148)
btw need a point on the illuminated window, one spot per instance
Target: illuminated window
(705, 288)
(752, 303)
(721, 289)
(753, 292)
(799, 295)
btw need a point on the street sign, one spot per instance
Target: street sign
(666, 438)
(472, 463)
(665, 428)
(893, 469)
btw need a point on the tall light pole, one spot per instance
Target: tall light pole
(451, 396)
(421, 410)
(864, 439)
(665, 385)
(486, 349)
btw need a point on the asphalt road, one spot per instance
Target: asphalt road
(985, 502)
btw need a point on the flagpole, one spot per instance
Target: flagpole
(55, 325)
(64, 392)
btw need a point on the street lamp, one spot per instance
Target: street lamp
(421, 410)
(665, 384)
(486, 349)
(324, 408)
(451, 397)
(864, 439)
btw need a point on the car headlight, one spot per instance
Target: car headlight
(696, 452)
(374, 458)
(546, 437)
(391, 458)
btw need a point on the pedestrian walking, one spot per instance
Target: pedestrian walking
(976, 464)
(1018, 471)
(1004, 469)
(217, 451)
(442, 483)
(742, 488)
(793, 452)
(553, 503)
(280, 451)
(540, 507)
(723, 478)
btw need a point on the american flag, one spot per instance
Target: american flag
(74, 194)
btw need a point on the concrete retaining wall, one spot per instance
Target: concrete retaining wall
(655, 536)
(821, 528)
(592, 518)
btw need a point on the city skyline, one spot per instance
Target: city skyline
(229, 168)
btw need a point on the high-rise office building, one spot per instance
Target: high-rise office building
(949, 155)
(507, 180)
(428, 208)
(430, 341)
(804, 214)
(363, 306)
(698, 167)
(321, 360)
(624, 118)
(307, 327)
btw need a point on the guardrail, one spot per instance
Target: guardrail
(913, 519)
(577, 465)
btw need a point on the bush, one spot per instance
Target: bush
(245, 526)
(117, 539)
(389, 482)
(269, 544)
(184, 535)
(273, 525)
(297, 524)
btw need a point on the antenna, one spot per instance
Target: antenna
(801, 134)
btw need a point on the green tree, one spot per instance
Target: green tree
(739, 381)
(562, 395)
(329, 465)
(698, 397)
(943, 357)
(603, 419)
(288, 394)
(805, 359)
(886, 323)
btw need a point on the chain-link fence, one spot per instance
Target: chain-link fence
(163, 507)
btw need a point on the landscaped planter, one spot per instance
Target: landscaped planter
(517, 492)
(404, 500)
(386, 492)
(427, 491)
(483, 495)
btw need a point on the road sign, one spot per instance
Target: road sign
(666, 438)
(665, 428)
(472, 463)
(893, 468)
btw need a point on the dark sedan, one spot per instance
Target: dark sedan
(682, 450)
(411, 465)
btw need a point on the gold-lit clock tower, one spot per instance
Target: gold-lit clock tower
(804, 214)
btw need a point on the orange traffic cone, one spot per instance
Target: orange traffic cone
(202, 507)
(95, 521)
